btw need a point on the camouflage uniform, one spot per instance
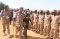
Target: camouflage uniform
(19, 23)
(47, 25)
(26, 23)
(34, 21)
(56, 27)
(59, 26)
(36, 27)
(52, 25)
(59, 23)
(5, 21)
(41, 23)
(31, 17)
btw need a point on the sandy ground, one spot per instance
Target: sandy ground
(31, 34)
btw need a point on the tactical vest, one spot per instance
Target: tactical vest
(26, 21)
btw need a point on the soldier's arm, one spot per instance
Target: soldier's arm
(30, 20)
(50, 19)
(43, 18)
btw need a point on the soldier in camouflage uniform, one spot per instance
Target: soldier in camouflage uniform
(58, 21)
(56, 25)
(41, 21)
(34, 22)
(37, 24)
(26, 23)
(54, 29)
(6, 20)
(31, 17)
(19, 22)
(52, 24)
(47, 23)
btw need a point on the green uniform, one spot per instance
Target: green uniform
(26, 24)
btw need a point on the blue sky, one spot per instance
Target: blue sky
(34, 4)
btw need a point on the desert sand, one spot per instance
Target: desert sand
(31, 34)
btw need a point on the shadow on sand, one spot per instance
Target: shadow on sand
(30, 37)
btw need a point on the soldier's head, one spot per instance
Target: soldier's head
(38, 13)
(28, 11)
(47, 12)
(21, 9)
(55, 12)
(41, 12)
(31, 12)
(52, 13)
(35, 11)
(6, 7)
(58, 12)
(44, 12)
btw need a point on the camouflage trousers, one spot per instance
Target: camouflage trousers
(54, 32)
(41, 28)
(47, 29)
(19, 28)
(34, 26)
(5, 24)
(59, 32)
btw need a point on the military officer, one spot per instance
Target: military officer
(6, 20)
(19, 22)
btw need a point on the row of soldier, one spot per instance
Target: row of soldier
(45, 23)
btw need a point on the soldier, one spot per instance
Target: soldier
(26, 23)
(6, 20)
(37, 24)
(29, 12)
(47, 23)
(19, 22)
(54, 27)
(59, 22)
(41, 21)
(31, 17)
(34, 21)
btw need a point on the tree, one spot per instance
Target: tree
(1, 5)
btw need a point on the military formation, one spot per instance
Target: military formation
(46, 23)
